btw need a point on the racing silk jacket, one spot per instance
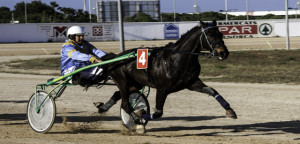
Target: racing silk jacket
(73, 55)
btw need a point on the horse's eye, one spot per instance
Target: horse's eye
(209, 31)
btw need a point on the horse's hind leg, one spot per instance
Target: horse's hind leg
(111, 102)
(201, 87)
(125, 105)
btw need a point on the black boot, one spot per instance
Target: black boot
(105, 107)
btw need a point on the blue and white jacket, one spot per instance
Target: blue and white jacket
(73, 55)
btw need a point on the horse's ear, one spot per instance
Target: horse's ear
(214, 23)
(203, 24)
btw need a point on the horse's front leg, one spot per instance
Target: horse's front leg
(161, 96)
(125, 105)
(124, 92)
(201, 87)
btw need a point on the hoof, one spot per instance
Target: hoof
(140, 129)
(100, 110)
(231, 114)
(140, 113)
(98, 104)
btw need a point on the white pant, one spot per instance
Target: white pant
(91, 72)
(86, 73)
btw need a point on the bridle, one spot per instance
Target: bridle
(213, 52)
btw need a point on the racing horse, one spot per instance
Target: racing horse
(171, 68)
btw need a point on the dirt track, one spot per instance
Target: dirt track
(267, 113)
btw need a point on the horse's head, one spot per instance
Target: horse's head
(212, 39)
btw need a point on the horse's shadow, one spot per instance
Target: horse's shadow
(190, 118)
(14, 101)
(267, 128)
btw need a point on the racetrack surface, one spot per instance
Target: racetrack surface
(267, 113)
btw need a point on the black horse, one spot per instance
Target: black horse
(171, 68)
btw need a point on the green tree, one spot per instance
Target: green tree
(72, 15)
(210, 16)
(187, 17)
(167, 17)
(5, 15)
(19, 12)
(38, 12)
(140, 17)
(238, 18)
(54, 4)
(205, 16)
(270, 16)
(56, 15)
(68, 13)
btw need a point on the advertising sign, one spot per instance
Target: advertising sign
(245, 29)
(93, 32)
(171, 31)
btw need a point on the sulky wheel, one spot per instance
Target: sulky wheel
(43, 120)
(137, 101)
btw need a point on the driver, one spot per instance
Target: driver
(77, 53)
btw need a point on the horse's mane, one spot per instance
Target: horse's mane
(187, 34)
(170, 45)
(155, 49)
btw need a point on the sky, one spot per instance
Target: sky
(183, 6)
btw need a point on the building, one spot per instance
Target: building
(107, 10)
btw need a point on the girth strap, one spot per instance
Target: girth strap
(149, 77)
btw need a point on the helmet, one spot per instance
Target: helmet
(78, 30)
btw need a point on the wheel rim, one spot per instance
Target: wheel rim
(44, 119)
(141, 103)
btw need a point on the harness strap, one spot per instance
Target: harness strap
(77, 48)
(149, 77)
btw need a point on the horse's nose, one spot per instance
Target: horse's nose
(222, 54)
